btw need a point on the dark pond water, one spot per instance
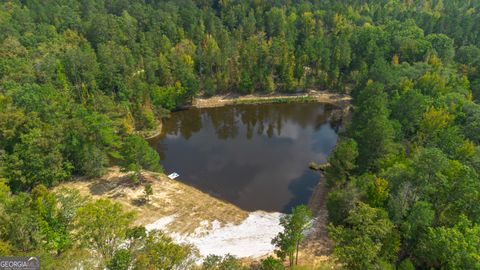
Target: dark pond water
(254, 156)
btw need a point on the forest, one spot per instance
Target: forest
(82, 82)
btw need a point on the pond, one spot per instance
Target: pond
(254, 156)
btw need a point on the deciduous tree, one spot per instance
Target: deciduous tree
(294, 227)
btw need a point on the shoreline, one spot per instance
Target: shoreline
(192, 216)
(170, 197)
(318, 244)
(187, 214)
(340, 100)
(150, 134)
(317, 247)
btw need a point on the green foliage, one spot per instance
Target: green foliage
(5, 249)
(294, 99)
(148, 191)
(102, 227)
(471, 121)
(64, 228)
(169, 97)
(227, 262)
(432, 84)
(36, 222)
(406, 265)
(294, 226)
(430, 176)
(342, 162)
(341, 201)
(450, 248)
(36, 159)
(92, 162)
(377, 192)
(420, 217)
(408, 109)
(371, 128)
(78, 78)
(443, 46)
(159, 252)
(53, 225)
(368, 239)
(270, 263)
(121, 260)
(91, 139)
(138, 155)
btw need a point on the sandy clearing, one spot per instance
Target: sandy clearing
(251, 238)
(187, 214)
(212, 225)
(189, 205)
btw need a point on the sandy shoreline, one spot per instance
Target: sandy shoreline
(340, 100)
(189, 215)
(190, 206)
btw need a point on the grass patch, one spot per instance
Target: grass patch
(274, 100)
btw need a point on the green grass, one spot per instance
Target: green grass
(275, 100)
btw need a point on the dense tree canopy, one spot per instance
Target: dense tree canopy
(80, 81)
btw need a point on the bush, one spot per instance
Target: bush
(121, 260)
(406, 265)
(228, 262)
(270, 263)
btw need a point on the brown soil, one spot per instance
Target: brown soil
(340, 100)
(318, 245)
(189, 205)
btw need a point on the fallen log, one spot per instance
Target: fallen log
(318, 167)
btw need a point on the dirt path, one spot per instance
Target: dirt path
(340, 100)
(315, 251)
(318, 242)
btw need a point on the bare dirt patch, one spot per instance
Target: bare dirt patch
(184, 211)
(190, 206)
(317, 248)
